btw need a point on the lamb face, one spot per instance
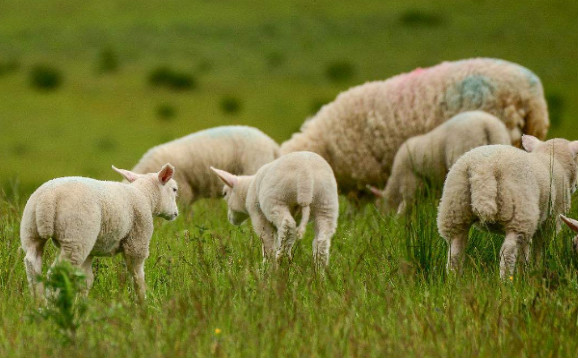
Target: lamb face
(236, 212)
(235, 196)
(165, 189)
(168, 193)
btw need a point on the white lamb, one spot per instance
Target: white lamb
(87, 218)
(362, 129)
(237, 149)
(273, 197)
(504, 189)
(431, 155)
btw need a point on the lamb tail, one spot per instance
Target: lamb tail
(45, 215)
(484, 195)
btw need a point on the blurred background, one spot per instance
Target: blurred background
(84, 85)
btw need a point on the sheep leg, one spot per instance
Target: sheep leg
(135, 266)
(509, 253)
(324, 230)
(286, 232)
(87, 268)
(33, 263)
(409, 189)
(456, 252)
(266, 233)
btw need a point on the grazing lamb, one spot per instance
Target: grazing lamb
(504, 189)
(573, 225)
(361, 130)
(297, 182)
(237, 149)
(86, 218)
(431, 155)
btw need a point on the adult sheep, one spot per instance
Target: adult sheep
(236, 149)
(360, 132)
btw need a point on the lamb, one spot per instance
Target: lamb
(573, 225)
(86, 218)
(238, 149)
(361, 130)
(504, 189)
(296, 183)
(429, 156)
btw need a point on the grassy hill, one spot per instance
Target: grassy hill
(267, 64)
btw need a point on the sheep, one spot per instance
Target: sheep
(238, 149)
(429, 156)
(361, 130)
(85, 218)
(573, 225)
(504, 189)
(296, 183)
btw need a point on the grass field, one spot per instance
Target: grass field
(386, 294)
(269, 64)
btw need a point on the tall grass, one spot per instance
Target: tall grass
(385, 293)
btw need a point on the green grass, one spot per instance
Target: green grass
(385, 294)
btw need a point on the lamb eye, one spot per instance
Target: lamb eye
(175, 190)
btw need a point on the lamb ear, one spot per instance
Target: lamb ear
(530, 142)
(572, 224)
(229, 179)
(166, 173)
(375, 191)
(574, 147)
(127, 174)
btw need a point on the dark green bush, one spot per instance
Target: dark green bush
(169, 78)
(230, 105)
(107, 61)
(166, 111)
(420, 18)
(45, 77)
(340, 71)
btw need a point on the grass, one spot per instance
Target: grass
(386, 293)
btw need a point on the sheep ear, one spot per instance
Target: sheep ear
(530, 142)
(127, 174)
(229, 179)
(375, 191)
(572, 224)
(166, 173)
(574, 147)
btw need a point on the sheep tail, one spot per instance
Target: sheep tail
(484, 195)
(304, 198)
(45, 215)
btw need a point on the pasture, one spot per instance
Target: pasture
(270, 65)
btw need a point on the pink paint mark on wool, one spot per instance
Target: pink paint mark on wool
(417, 71)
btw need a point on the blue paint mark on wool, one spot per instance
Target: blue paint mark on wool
(471, 93)
(226, 131)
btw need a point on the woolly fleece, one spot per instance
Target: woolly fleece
(505, 189)
(87, 218)
(300, 182)
(360, 132)
(431, 155)
(237, 149)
